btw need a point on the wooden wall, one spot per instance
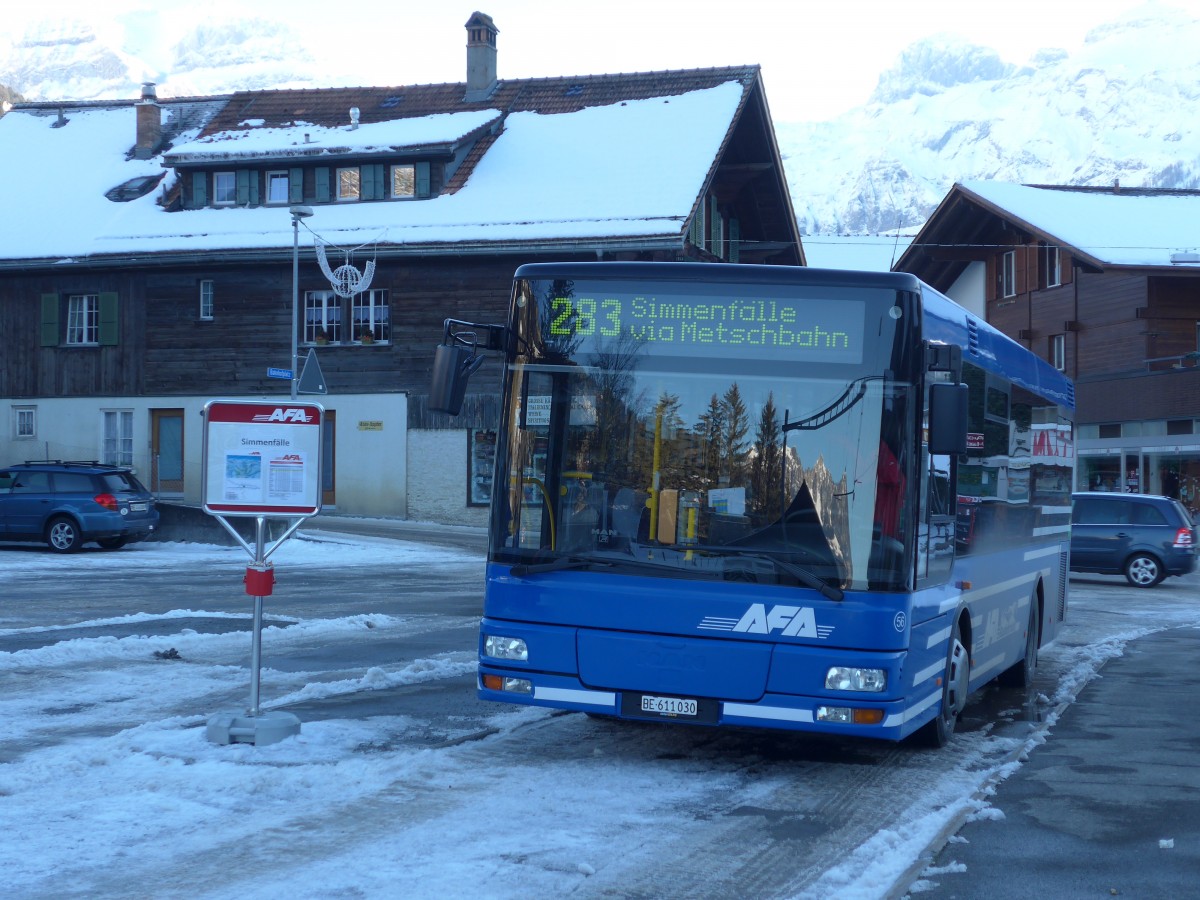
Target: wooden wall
(166, 349)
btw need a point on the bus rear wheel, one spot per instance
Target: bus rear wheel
(955, 685)
(1020, 675)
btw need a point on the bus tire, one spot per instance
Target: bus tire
(1020, 675)
(955, 686)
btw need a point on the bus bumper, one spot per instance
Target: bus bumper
(896, 718)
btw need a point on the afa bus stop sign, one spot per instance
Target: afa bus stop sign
(260, 458)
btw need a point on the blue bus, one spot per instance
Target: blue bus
(790, 498)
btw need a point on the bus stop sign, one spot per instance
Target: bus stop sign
(262, 458)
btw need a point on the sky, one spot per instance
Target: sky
(131, 799)
(819, 59)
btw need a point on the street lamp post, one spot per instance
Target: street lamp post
(298, 213)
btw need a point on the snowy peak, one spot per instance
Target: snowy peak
(235, 43)
(66, 58)
(933, 64)
(1124, 106)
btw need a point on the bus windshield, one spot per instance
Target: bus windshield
(753, 433)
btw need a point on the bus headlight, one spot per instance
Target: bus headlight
(847, 678)
(499, 647)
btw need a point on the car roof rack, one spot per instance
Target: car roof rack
(63, 462)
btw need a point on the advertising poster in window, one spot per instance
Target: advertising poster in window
(481, 459)
(262, 458)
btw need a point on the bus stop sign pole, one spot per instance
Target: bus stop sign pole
(260, 457)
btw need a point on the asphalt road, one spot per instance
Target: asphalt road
(830, 798)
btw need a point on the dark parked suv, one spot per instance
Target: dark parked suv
(1141, 536)
(67, 504)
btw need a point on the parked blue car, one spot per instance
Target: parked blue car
(68, 504)
(1141, 536)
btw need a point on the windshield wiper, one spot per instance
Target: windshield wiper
(557, 564)
(805, 577)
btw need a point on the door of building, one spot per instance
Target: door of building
(166, 452)
(328, 451)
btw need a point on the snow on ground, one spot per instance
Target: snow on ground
(346, 808)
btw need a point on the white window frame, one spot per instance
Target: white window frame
(224, 188)
(1058, 351)
(24, 423)
(83, 320)
(1008, 274)
(370, 310)
(322, 311)
(349, 184)
(394, 187)
(206, 299)
(1053, 266)
(274, 179)
(118, 437)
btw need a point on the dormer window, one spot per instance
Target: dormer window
(349, 184)
(277, 187)
(404, 182)
(224, 188)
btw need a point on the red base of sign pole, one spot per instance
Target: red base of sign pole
(259, 580)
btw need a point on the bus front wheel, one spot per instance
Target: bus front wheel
(955, 681)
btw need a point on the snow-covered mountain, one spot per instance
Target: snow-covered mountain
(1126, 107)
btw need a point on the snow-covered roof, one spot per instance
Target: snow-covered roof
(1113, 226)
(630, 170)
(256, 140)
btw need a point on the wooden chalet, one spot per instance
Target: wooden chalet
(150, 266)
(1105, 284)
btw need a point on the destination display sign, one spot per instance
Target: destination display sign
(785, 328)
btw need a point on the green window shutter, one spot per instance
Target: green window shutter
(373, 182)
(247, 187)
(295, 185)
(323, 193)
(423, 179)
(50, 336)
(199, 190)
(735, 237)
(108, 319)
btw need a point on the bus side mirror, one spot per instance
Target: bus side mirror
(948, 419)
(453, 365)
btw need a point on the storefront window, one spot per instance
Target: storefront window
(1099, 473)
(1176, 475)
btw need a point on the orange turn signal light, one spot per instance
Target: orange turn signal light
(493, 682)
(868, 716)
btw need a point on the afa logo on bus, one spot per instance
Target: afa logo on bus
(789, 621)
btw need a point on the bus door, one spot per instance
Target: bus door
(937, 503)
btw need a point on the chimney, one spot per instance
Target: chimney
(149, 123)
(481, 57)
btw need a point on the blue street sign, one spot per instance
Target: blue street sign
(280, 373)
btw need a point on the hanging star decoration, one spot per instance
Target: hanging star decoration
(346, 280)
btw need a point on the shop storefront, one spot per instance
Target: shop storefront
(1144, 465)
